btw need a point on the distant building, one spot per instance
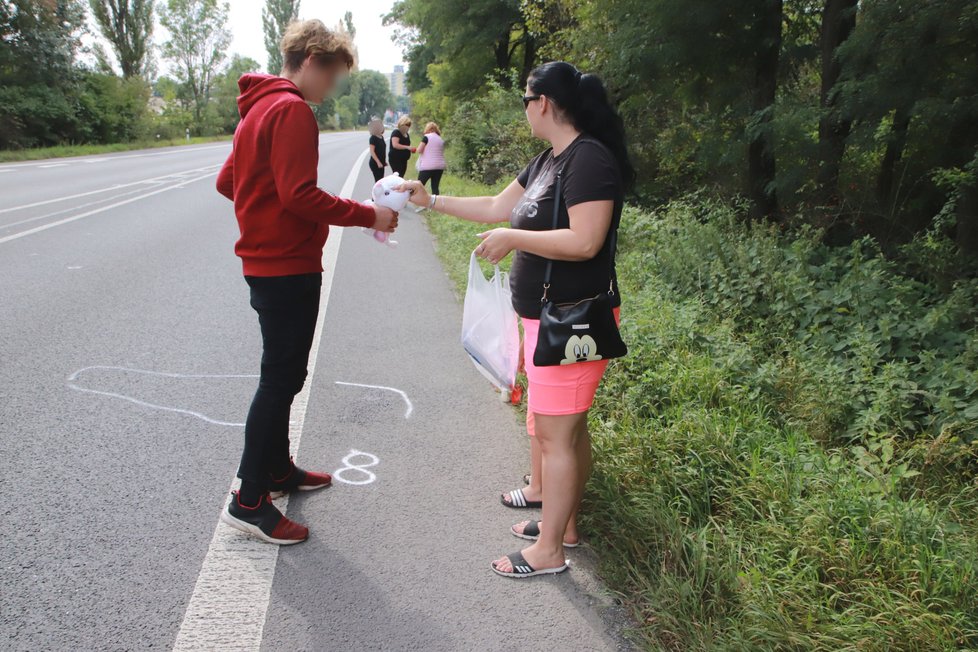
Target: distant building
(157, 104)
(396, 79)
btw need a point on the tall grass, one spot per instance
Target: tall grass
(757, 484)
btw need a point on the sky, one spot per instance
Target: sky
(373, 40)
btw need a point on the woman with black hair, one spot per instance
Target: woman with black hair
(572, 112)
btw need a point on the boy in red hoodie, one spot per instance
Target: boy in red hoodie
(284, 219)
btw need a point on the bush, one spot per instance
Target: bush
(782, 461)
(489, 137)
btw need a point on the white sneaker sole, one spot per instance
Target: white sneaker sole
(254, 530)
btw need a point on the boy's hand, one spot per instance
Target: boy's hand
(419, 194)
(386, 219)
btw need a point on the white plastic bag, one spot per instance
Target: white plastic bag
(490, 334)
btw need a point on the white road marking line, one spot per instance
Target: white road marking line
(72, 384)
(230, 600)
(51, 225)
(8, 170)
(117, 186)
(75, 207)
(52, 165)
(407, 401)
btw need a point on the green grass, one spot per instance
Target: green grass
(62, 151)
(721, 510)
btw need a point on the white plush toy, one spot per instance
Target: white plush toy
(384, 194)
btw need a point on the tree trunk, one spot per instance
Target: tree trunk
(760, 152)
(967, 213)
(838, 22)
(502, 52)
(891, 158)
(529, 58)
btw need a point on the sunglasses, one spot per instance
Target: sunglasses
(529, 98)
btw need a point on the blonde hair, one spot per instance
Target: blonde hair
(375, 127)
(404, 121)
(311, 38)
(432, 126)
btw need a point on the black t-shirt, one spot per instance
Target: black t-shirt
(404, 139)
(380, 148)
(590, 173)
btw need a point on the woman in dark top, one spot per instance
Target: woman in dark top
(401, 149)
(378, 149)
(572, 112)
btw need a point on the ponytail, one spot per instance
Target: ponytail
(584, 100)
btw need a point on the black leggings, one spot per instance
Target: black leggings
(435, 176)
(398, 165)
(287, 308)
(378, 172)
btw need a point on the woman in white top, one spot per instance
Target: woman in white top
(431, 157)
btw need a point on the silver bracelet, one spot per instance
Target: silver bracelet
(431, 202)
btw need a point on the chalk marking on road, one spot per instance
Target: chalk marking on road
(117, 186)
(73, 384)
(230, 600)
(362, 468)
(96, 211)
(407, 401)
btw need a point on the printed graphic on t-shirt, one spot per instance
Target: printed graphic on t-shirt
(528, 205)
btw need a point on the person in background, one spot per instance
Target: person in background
(431, 157)
(284, 220)
(401, 149)
(378, 149)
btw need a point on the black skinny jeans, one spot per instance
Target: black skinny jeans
(287, 308)
(435, 176)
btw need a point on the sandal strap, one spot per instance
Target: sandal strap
(517, 498)
(519, 563)
(532, 529)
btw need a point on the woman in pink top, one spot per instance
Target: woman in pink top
(431, 157)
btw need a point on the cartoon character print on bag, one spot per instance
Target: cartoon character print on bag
(580, 349)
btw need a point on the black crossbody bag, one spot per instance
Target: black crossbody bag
(582, 331)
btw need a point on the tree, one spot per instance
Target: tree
(766, 33)
(38, 77)
(838, 22)
(128, 26)
(373, 94)
(226, 91)
(470, 41)
(275, 18)
(198, 41)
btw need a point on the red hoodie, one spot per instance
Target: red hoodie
(271, 176)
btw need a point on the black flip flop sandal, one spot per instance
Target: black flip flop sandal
(518, 501)
(532, 532)
(521, 568)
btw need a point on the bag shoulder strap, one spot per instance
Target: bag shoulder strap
(558, 198)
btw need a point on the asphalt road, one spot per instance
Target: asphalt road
(119, 268)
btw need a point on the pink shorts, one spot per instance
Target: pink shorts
(561, 389)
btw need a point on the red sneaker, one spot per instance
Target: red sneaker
(298, 480)
(263, 521)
